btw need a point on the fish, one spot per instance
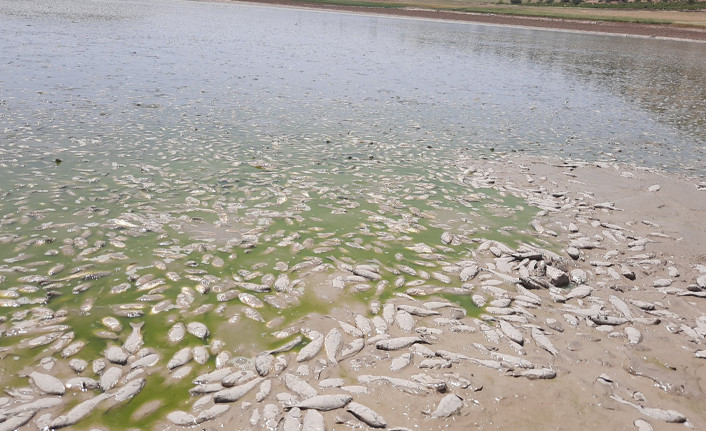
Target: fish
(448, 406)
(399, 343)
(134, 341)
(312, 349)
(116, 355)
(78, 412)
(543, 341)
(128, 391)
(48, 384)
(180, 358)
(197, 329)
(366, 414)
(323, 402)
(236, 392)
(333, 343)
(176, 333)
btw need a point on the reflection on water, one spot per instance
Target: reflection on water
(110, 68)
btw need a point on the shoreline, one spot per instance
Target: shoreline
(658, 31)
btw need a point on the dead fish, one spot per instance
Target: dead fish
(324, 402)
(200, 354)
(16, 420)
(313, 421)
(251, 313)
(238, 378)
(403, 385)
(134, 341)
(263, 363)
(176, 333)
(112, 323)
(511, 332)
(299, 386)
(599, 319)
(180, 358)
(404, 320)
(367, 415)
(264, 391)
(293, 420)
(48, 384)
(250, 300)
(399, 343)
(671, 416)
(79, 412)
(333, 344)
(110, 378)
(418, 311)
(352, 348)
(537, 373)
(197, 329)
(543, 341)
(235, 393)
(449, 405)
(72, 349)
(181, 418)
(211, 413)
(401, 362)
(312, 349)
(116, 355)
(147, 361)
(128, 391)
(350, 329)
(288, 346)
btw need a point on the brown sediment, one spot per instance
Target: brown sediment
(667, 31)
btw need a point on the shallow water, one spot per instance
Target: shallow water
(214, 145)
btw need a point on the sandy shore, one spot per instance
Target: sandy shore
(623, 28)
(622, 346)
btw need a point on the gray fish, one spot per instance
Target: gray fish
(131, 389)
(313, 421)
(312, 349)
(116, 355)
(333, 344)
(48, 384)
(449, 405)
(198, 329)
(180, 358)
(235, 393)
(211, 413)
(537, 373)
(399, 343)
(176, 333)
(263, 363)
(15, 421)
(134, 341)
(367, 415)
(293, 420)
(299, 386)
(79, 412)
(181, 418)
(110, 378)
(324, 402)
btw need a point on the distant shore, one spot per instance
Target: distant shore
(610, 27)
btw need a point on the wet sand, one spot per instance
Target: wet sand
(626, 337)
(623, 28)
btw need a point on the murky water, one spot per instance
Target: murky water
(169, 162)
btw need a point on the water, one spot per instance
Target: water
(208, 146)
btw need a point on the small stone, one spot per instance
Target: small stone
(573, 252)
(654, 188)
